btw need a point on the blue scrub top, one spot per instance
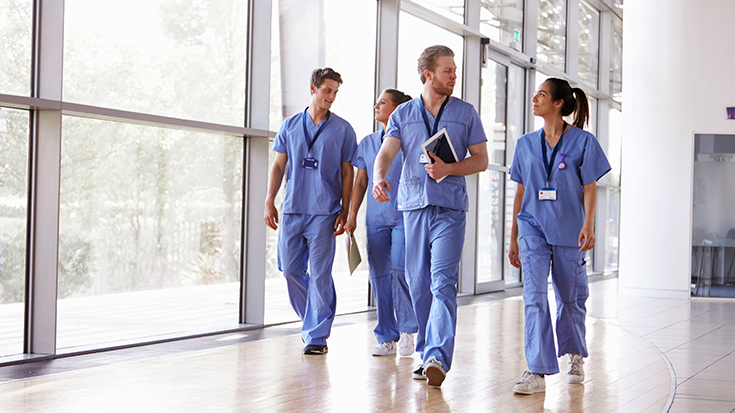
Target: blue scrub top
(379, 213)
(559, 221)
(417, 190)
(315, 191)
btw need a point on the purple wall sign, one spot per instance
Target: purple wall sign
(731, 113)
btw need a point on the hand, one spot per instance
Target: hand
(339, 224)
(379, 191)
(513, 255)
(350, 225)
(271, 215)
(438, 169)
(586, 238)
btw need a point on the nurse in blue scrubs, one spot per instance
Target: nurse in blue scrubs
(433, 197)
(556, 168)
(385, 240)
(314, 149)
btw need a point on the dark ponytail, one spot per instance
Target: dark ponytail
(397, 96)
(575, 100)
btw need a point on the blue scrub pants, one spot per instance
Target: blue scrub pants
(386, 256)
(434, 241)
(569, 279)
(312, 296)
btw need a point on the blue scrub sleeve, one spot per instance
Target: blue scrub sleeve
(279, 143)
(394, 126)
(515, 167)
(350, 144)
(358, 161)
(594, 162)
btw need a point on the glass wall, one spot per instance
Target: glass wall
(16, 24)
(451, 9)
(551, 47)
(616, 65)
(183, 59)
(589, 44)
(502, 21)
(347, 46)
(149, 237)
(13, 217)
(415, 35)
(516, 128)
(490, 194)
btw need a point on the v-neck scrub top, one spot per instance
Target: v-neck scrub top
(417, 189)
(559, 221)
(379, 213)
(315, 191)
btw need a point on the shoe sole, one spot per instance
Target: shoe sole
(316, 352)
(529, 392)
(405, 354)
(386, 354)
(575, 381)
(435, 376)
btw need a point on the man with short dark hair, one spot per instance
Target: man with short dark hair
(433, 212)
(314, 149)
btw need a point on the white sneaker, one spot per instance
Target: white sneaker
(530, 383)
(405, 345)
(384, 349)
(575, 372)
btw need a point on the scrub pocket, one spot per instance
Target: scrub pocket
(410, 193)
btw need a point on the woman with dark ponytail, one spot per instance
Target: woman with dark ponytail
(556, 168)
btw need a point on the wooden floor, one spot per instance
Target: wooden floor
(646, 355)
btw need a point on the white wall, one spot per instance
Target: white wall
(678, 78)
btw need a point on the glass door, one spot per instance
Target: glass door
(491, 183)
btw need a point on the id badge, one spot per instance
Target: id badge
(422, 159)
(309, 163)
(547, 194)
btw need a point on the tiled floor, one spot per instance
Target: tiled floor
(646, 355)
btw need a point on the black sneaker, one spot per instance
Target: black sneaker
(418, 374)
(316, 349)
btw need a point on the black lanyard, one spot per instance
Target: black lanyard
(436, 120)
(309, 141)
(382, 135)
(548, 164)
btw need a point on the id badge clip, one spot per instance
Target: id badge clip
(547, 194)
(309, 163)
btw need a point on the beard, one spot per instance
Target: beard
(442, 89)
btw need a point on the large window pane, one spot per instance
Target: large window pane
(515, 129)
(414, 36)
(347, 45)
(552, 28)
(616, 65)
(13, 212)
(150, 229)
(490, 226)
(502, 21)
(453, 9)
(612, 230)
(589, 44)
(614, 139)
(16, 24)
(178, 58)
(492, 108)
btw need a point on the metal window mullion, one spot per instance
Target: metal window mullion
(253, 249)
(44, 180)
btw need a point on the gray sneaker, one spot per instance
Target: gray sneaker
(530, 383)
(435, 373)
(575, 372)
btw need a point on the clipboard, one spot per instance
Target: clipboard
(353, 252)
(441, 146)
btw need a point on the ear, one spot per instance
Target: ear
(428, 74)
(312, 88)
